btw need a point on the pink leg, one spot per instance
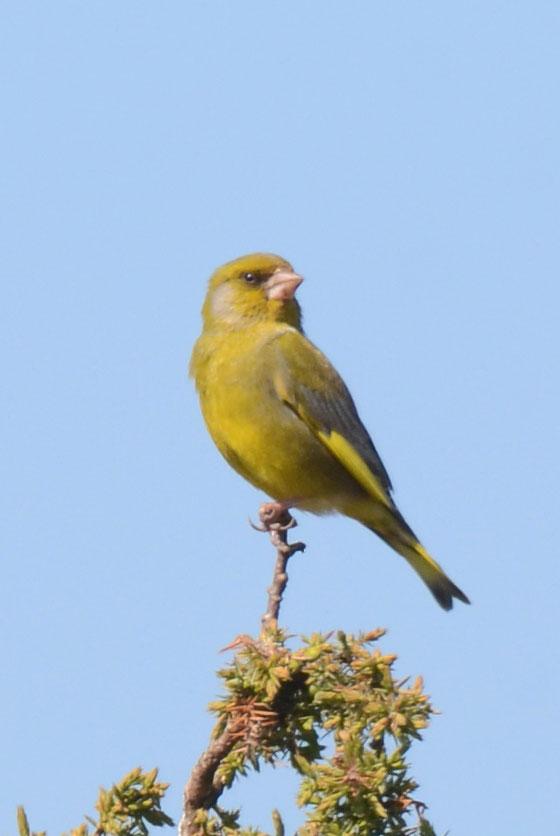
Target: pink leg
(274, 513)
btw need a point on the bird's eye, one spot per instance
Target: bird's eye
(250, 278)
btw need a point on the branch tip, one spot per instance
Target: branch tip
(204, 787)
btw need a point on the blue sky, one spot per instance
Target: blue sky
(405, 158)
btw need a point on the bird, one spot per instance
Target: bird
(283, 417)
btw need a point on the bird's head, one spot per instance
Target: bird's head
(253, 288)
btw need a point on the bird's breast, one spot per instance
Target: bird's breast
(258, 434)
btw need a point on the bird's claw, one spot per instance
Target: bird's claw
(260, 528)
(268, 527)
(285, 526)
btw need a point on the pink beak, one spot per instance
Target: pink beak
(282, 285)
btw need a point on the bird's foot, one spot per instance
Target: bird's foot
(276, 520)
(274, 516)
(277, 515)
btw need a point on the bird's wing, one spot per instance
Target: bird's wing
(310, 386)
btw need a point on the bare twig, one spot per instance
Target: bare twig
(204, 786)
(278, 532)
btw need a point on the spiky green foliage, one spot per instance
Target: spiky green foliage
(23, 825)
(126, 809)
(334, 710)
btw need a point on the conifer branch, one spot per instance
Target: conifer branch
(205, 786)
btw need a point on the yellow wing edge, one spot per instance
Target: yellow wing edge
(354, 464)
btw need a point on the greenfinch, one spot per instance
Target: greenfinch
(283, 417)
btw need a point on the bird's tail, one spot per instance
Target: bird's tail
(398, 534)
(442, 588)
(389, 524)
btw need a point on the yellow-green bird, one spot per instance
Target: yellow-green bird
(283, 417)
